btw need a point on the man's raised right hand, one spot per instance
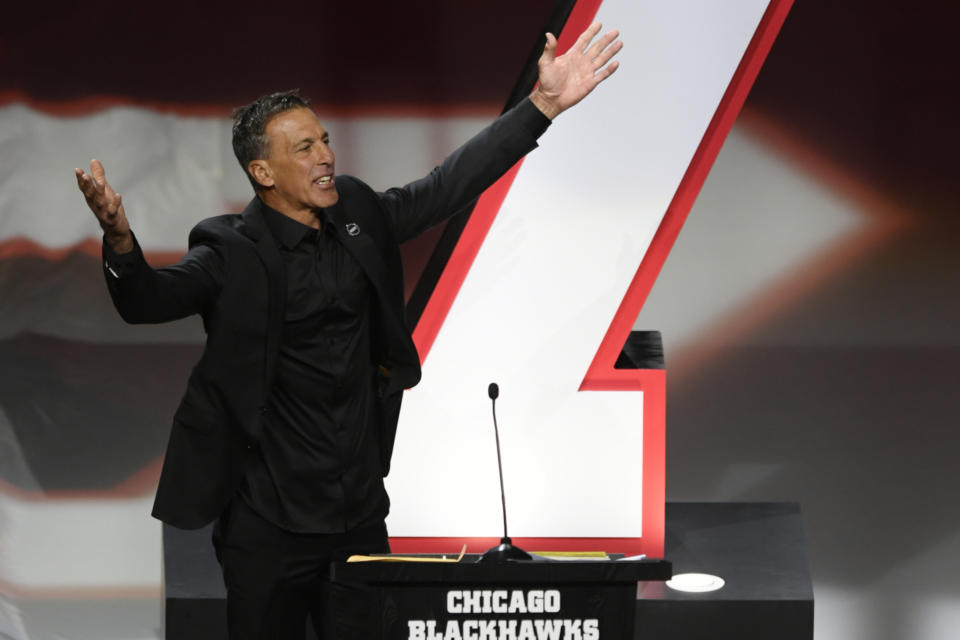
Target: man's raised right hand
(107, 206)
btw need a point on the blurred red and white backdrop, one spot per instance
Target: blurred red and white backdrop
(530, 311)
(85, 400)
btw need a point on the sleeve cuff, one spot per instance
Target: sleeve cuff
(533, 120)
(118, 265)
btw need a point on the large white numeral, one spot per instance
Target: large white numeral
(541, 293)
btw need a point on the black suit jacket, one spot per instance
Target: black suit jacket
(233, 275)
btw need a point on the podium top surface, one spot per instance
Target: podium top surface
(757, 548)
(468, 571)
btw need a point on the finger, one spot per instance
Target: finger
(98, 194)
(606, 72)
(97, 201)
(96, 185)
(584, 40)
(602, 44)
(100, 178)
(86, 186)
(96, 170)
(606, 54)
(549, 49)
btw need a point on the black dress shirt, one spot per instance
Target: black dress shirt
(318, 469)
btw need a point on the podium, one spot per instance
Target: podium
(756, 547)
(571, 599)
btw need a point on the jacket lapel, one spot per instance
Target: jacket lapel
(266, 247)
(362, 247)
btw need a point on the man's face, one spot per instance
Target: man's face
(299, 163)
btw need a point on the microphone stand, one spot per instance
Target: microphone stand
(505, 550)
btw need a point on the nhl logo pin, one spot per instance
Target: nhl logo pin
(353, 229)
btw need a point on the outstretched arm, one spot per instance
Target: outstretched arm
(107, 205)
(566, 80)
(140, 293)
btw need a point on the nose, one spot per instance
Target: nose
(324, 154)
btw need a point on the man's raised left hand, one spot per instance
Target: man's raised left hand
(566, 80)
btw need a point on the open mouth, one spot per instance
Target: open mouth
(324, 180)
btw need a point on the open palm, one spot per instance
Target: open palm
(567, 79)
(106, 204)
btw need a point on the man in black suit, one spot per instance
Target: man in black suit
(286, 429)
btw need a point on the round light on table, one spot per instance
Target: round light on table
(695, 582)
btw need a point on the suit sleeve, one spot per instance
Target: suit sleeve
(142, 294)
(466, 172)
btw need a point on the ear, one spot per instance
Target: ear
(260, 170)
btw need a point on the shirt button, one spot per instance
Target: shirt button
(263, 411)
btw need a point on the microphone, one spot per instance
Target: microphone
(505, 551)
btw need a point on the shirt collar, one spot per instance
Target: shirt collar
(286, 231)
